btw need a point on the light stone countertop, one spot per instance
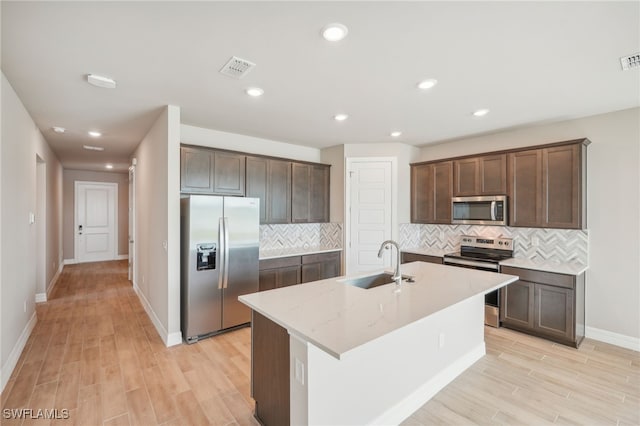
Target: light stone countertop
(428, 251)
(295, 251)
(337, 317)
(568, 268)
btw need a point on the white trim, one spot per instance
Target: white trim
(113, 185)
(405, 408)
(69, 262)
(610, 337)
(122, 257)
(54, 280)
(347, 201)
(41, 297)
(168, 339)
(14, 356)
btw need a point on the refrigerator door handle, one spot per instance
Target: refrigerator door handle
(223, 255)
(225, 271)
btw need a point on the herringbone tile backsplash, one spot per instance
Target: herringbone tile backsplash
(558, 245)
(326, 235)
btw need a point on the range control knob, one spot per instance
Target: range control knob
(500, 242)
(506, 243)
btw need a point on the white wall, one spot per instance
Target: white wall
(613, 278)
(158, 224)
(235, 142)
(21, 142)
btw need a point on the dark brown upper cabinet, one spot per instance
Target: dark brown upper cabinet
(547, 187)
(309, 193)
(431, 192)
(485, 175)
(207, 171)
(270, 180)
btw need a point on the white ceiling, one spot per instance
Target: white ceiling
(527, 62)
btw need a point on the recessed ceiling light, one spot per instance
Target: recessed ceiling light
(481, 112)
(93, 148)
(101, 81)
(95, 134)
(59, 129)
(396, 134)
(255, 91)
(427, 84)
(340, 117)
(334, 32)
(108, 166)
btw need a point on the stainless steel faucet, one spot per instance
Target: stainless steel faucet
(397, 276)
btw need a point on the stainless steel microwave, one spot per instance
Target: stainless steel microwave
(483, 210)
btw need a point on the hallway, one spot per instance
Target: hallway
(95, 353)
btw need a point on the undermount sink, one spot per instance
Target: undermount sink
(372, 281)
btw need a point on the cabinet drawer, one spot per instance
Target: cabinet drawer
(413, 257)
(321, 257)
(280, 262)
(549, 278)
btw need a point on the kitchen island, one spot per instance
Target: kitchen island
(331, 353)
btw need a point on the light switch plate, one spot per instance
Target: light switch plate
(32, 218)
(299, 373)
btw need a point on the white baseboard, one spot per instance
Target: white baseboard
(69, 262)
(606, 336)
(118, 257)
(405, 408)
(168, 339)
(122, 257)
(54, 280)
(41, 297)
(12, 361)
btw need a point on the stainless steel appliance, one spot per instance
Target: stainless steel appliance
(219, 262)
(485, 254)
(483, 210)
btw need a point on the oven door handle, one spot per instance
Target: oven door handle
(480, 265)
(494, 209)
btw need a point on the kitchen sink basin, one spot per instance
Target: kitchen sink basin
(372, 281)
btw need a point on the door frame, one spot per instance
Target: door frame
(113, 185)
(41, 229)
(347, 201)
(132, 223)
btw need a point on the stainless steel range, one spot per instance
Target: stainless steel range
(483, 253)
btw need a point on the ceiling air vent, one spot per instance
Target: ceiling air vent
(629, 62)
(237, 67)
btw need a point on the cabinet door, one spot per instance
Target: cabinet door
(331, 268)
(554, 311)
(257, 183)
(442, 191)
(561, 187)
(525, 188)
(278, 208)
(466, 177)
(319, 194)
(311, 272)
(517, 305)
(300, 174)
(421, 193)
(288, 276)
(196, 171)
(493, 174)
(267, 279)
(228, 173)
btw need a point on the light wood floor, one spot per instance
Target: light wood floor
(95, 352)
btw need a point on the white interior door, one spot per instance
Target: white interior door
(369, 214)
(96, 221)
(132, 205)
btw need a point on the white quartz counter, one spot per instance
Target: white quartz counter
(337, 317)
(568, 268)
(296, 251)
(427, 251)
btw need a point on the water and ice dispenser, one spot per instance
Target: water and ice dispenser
(206, 256)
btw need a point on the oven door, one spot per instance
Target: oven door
(491, 299)
(479, 210)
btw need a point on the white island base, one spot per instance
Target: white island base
(384, 381)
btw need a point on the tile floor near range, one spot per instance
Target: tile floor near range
(95, 353)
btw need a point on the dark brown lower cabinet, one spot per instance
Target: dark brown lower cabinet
(545, 304)
(286, 271)
(413, 257)
(269, 371)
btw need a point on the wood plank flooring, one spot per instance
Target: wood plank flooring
(95, 353)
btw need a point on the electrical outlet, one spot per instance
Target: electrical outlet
(25, 306)
(299, 373)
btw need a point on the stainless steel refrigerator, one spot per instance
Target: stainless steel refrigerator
(219, 262)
